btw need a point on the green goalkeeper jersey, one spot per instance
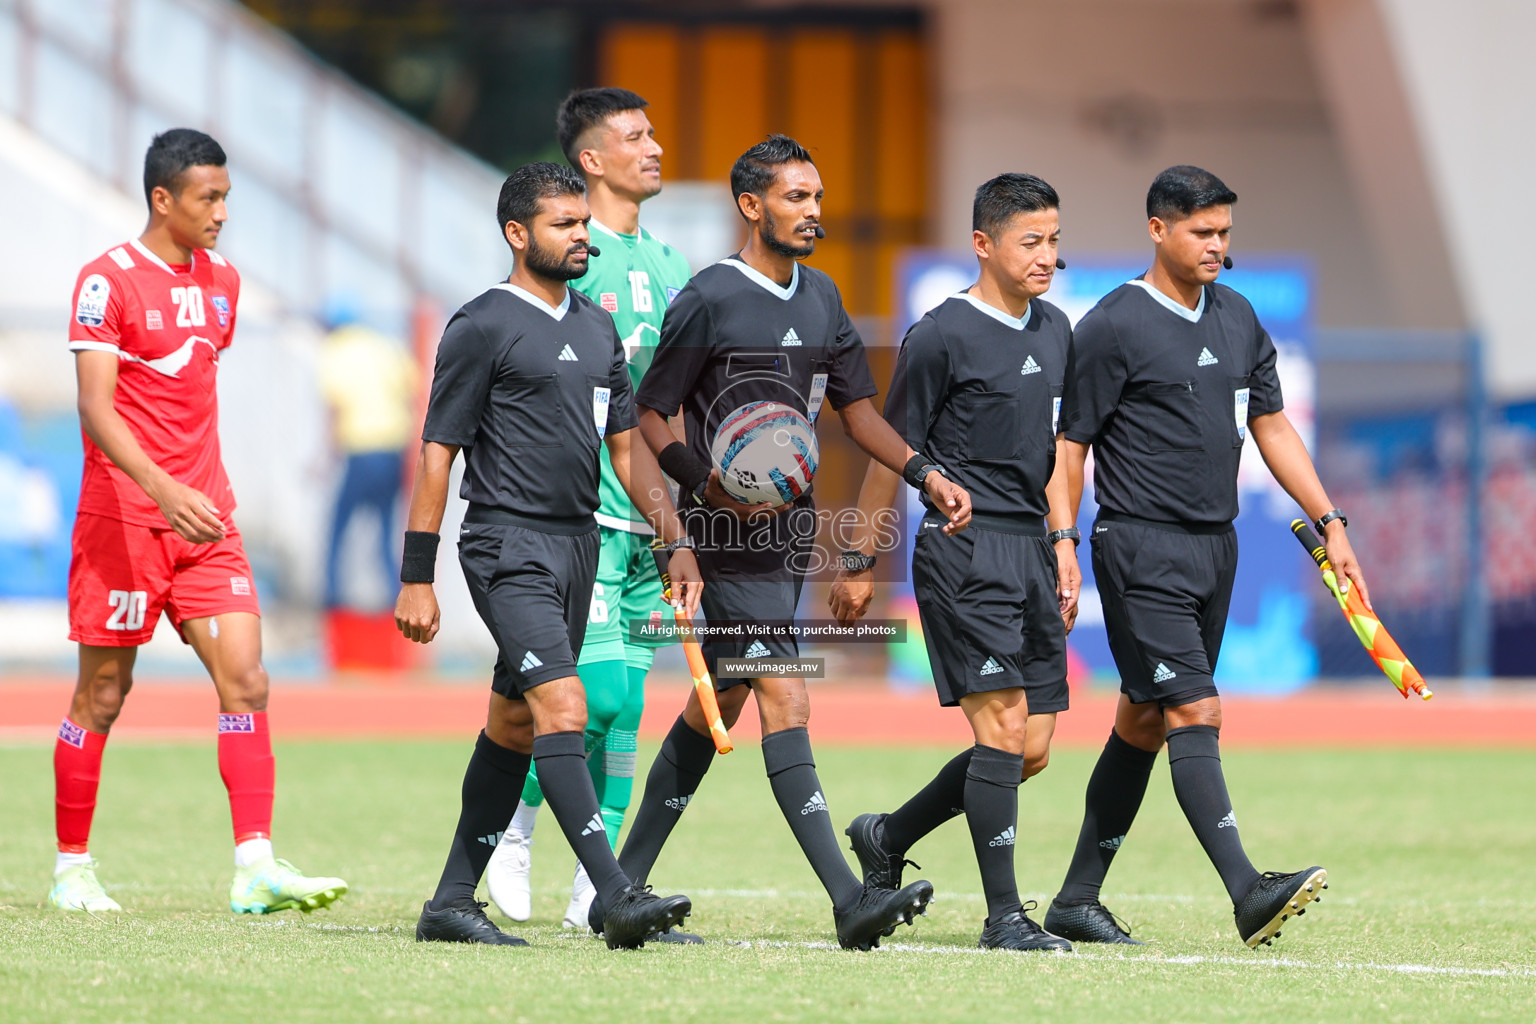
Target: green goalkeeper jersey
(634, 279)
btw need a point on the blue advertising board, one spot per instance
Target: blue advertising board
(1267, 647)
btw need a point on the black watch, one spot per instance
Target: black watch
(684, 541)
(856, 561)
(1328, 517)
(1071, 533)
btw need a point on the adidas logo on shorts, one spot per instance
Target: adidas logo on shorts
(1230, 821)
(991, 668)
(1030, 366)
(530, 662)
(817, 802)
(491, 840)
(567, 356)
(1163, 674)
(593, 826)
(757, 650)
(1206, 359)
(1111, 844)
(679, 803)
(790, 338)
(1003, 838)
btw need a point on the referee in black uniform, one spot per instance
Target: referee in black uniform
(978, 386)
(760, 327)
(1169, 375)
(530, 380)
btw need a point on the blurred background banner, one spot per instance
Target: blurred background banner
(1268, 646)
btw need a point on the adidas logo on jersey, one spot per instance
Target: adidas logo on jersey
(594, 826)
(491, 840)
(1230, 821)
(1003, 838)
(530, 661)
(1111, 844)
(991, 668)
(1206, 359)
(567, 356)
(1163, 674)
(679, 803)
(817, 802)
(757, 650)
(1030, 366)
(790, 338)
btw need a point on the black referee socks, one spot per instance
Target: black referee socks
(492, 784)
(934, 804)
(992, 811)
(792, 773)
(1115, 791)
(562, 761)
(1194, 757)
(674, 776)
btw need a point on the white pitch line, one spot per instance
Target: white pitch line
(1176, 961)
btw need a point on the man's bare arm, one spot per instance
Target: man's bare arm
(641, 478)
(416, 611)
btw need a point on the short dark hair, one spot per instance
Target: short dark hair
(530, 183)
(1180, 191)
(1000, 198)
(172, 153)
(755, 169)
(587, 108)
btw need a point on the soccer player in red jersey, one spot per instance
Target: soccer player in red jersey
(154, 531)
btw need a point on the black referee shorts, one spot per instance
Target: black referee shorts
(753, 572)
(533, 589)
(1165, 589)
(991, 621)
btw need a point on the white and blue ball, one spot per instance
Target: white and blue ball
(765, 452)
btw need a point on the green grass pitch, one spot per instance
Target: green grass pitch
(1428, 918)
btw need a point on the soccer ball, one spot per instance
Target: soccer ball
(765, 451)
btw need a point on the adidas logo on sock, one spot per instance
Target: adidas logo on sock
(1230, 821)
(1030, 366)
(567, 356)
(595, 825)
(1163, 674)
(1111, 844)
(1206, 359)
(530, 661)
(991, 668)
(790, 338)
(757, 650)
(491, 840)
(1004, 838)
(679, 803)
(817, 802)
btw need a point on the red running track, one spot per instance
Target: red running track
(842, 712)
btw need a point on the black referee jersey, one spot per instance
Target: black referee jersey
(979, 392)
(734, 336)
(1163, 393)
(529, 391)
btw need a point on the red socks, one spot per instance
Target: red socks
(248, 769)
(76, 774)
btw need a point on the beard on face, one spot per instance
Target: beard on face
(789, 250)
(556, 267)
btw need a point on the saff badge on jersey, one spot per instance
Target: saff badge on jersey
(91, 306)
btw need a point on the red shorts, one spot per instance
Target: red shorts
(122, 576)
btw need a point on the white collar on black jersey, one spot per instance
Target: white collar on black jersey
(557, 312)
(1016, 322)
(1192, 315)
(769, 284)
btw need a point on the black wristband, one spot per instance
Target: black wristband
(1071, 533)
(683, 466)
(913, 472)
(419, 562)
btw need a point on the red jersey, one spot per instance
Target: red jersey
(167, 325)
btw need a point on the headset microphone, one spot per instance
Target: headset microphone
(1061, 264)
(820, 232)
(1226, 261)
(593, 250)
